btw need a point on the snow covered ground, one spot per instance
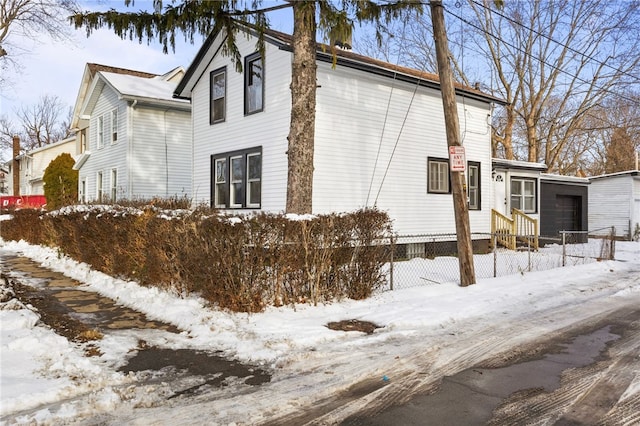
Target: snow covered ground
(46, 379)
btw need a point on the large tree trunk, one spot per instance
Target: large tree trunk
(303, 109)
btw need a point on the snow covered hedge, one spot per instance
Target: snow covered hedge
(243, 263)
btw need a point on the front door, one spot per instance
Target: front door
(500, 192)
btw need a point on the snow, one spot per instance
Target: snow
(153, 88)
(40, 368)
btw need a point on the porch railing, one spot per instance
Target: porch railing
(508, 230)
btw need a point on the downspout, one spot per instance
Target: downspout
(166, 156)
(132, 107)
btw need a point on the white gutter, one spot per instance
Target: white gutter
(131, 107)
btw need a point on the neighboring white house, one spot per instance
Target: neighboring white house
(137, 144)
(34, 162)
(614, 200)
(80, 123)
(379, 136)
(5, 178)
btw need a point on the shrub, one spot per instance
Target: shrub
(60, 182)
(241, 263)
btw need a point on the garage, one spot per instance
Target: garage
(568, 208)
(563, 206)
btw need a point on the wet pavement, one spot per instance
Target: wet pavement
(477, 392)
(79, 314)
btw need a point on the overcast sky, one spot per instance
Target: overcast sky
(55, 68)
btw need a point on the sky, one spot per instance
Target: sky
(51, 67)
(44, 378)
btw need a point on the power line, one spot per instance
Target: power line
(574, 76)
(564, 45)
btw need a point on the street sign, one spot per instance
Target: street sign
(457, 159)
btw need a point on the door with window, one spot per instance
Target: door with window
(500, 192)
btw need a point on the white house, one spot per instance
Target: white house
(5, 179)
(379, 136)
(33, 164)
(614, 200)
(135, 138)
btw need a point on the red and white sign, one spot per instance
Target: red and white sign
(457, 159)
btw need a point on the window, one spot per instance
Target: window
(83, 191)
(100, 132)
(253, 84)
(114, 126)
(218, 95)
(473, 185)
(114, 184)
(99, 189)
(254, 178)
(221, 188)
(237, 179)
(523, 194)
(83, 140)
(438, 176)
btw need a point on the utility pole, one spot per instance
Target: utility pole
(460, 208)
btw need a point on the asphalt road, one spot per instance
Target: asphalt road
(577, 379)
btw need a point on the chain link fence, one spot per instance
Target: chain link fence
(433, 259)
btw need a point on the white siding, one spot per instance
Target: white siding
(110, 155)
(610, 204)
(160, 153)
(268, 128)
(152, 154)
(359, 114)
(351, 109)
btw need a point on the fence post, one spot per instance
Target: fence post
(392, 247)
(495, 256)
(564, 247)
(612, 253)
(529, 254)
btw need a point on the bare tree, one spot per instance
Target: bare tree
(8, 130)
(31, 18)
(44, 122)
(613, 132)
(553, 61)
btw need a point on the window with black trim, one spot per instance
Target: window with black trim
(99, 187)
(237, 179)
(114, 126)
(473, 185)
(523, 194)
(114, 184)
(100, 142)
(438, 179)
(253, 84)
(217, 101)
